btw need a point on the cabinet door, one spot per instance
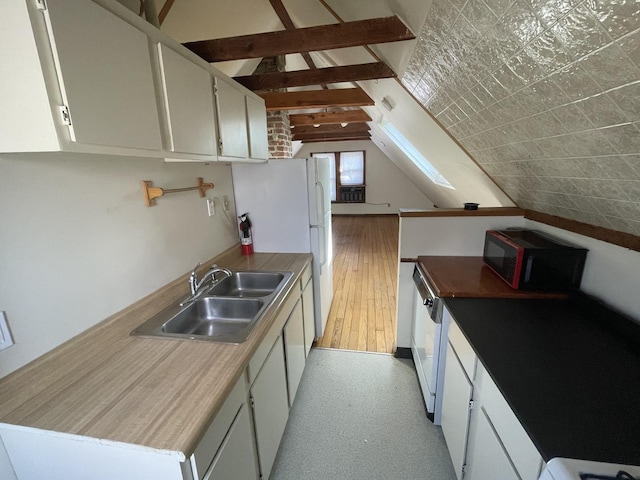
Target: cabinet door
(235, 460)
(232, 120)
(456, 398)
(486, 457)
(105, 74)
(294, 350)
(257, 122)
(308, 312)
(189, 104)
(270, 406)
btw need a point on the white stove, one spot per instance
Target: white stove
(571, 469)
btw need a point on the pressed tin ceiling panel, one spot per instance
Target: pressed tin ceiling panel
(545, 95)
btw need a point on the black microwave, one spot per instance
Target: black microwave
(532, 260)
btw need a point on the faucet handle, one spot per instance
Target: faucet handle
(193, 279)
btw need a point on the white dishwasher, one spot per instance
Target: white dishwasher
(426, 336)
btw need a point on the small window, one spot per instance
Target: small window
(347, 176)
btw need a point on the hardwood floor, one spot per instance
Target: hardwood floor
(365, 259)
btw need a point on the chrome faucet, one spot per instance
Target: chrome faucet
(195, 285)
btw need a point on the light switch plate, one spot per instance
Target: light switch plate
(211, 206)
(6, 340)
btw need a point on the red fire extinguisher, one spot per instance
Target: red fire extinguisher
(245, 234)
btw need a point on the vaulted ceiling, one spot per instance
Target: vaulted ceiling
(544, 95)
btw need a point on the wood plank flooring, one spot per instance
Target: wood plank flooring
(365, 265)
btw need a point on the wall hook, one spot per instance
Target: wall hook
(151, 193)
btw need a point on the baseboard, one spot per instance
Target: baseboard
(402, 352)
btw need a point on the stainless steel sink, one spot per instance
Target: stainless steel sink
(228, 312)
(248, 284)
(215, 317)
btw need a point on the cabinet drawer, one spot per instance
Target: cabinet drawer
(210, 443)
(517, 443)
(463, 350)
(276, 329)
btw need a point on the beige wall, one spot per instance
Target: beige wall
(386, 183)
(78, 244)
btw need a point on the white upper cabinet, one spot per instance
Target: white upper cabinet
(232, 120)
(82, 80)
(257, 121)
(105, 76)
(91, 76)
(189, 105)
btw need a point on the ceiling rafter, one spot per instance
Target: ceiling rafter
(331, 138)
(164, 11)
(301, 78)
(310, 39)
(327, 118)
(284, 17)
(336, 97)
(333, 128)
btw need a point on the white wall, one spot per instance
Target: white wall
(386, 183)
(77, 243)
(610, 272)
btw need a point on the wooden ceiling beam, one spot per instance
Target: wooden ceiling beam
(310, 39)
(337, 97)
(334, 128)
(164, 11)
(334, 139)
(326, 118)
(319, 136)
(302, 78)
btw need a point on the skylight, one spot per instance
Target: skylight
(415, 156)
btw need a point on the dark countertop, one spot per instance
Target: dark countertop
(569, 369)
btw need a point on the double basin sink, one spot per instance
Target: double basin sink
(226, 312)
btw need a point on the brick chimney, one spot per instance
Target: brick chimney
(279, 132)
(278, 125)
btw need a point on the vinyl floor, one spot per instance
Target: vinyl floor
(360, 415)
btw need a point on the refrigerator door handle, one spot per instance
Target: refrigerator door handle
(323, 246)
(322, 212)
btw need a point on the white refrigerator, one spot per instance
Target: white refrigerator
(289, 205)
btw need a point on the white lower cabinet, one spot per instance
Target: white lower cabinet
(216, 446)
(456, 400)
(236, 458)
(294, 350)
(487, 457)
(270, 406)
(484, 437)
(517, 445)
(308, 310)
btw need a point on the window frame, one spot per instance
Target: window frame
(338, 184)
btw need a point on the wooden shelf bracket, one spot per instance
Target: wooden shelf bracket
(151, 193)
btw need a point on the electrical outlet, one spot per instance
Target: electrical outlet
(6, 340)
(225, 203)
(211, 206)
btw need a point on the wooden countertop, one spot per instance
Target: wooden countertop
(154, 392)
(461, 212)
(470, 277)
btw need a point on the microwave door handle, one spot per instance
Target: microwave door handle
(528, 267)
